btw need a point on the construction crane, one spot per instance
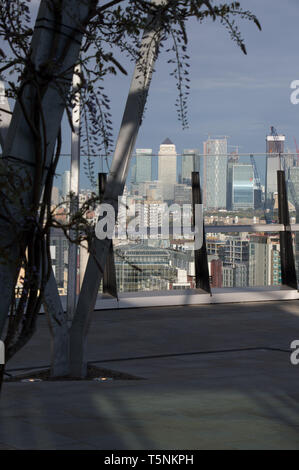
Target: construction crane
(256, 174)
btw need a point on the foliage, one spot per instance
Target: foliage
(115, 30)
(111, 34)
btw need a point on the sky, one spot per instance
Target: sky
(231, 94)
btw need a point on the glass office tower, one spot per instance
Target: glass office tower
(242, 186)
(215, 173)
(274, 147)
(190, 163)
(143, 165)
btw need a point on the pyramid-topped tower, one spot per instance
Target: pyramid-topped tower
(167, 168)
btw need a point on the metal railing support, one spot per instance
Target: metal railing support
(202, 278)
(109, 275)
(288, 271)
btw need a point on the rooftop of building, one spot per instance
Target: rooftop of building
(167, 141)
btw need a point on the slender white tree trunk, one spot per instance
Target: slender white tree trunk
(60, 337)
(19, 147)
(52, 301)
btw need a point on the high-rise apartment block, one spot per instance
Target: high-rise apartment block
(264, 260)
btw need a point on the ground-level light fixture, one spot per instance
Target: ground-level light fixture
(31, 380)
(103, 379)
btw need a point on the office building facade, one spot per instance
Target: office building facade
(190, 163)
(167, 169)
(274, 162)
(264, 260)
(242, 187)
(143, 166)
(214, 173)
(141, 267)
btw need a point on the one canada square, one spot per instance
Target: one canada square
(167, 168)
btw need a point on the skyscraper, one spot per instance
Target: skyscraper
(214, 173)
(264, 264)
(189, 164)
(167, 164)
(242, 186)
(143, 170)
(274, 147)
(233, 159)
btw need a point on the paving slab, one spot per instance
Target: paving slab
(214, 378)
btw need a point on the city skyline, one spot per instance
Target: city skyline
(150, 152)
(231, 94)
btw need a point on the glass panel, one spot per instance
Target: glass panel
(153, 261)
(244, 260)
(234, 187)
(238, 189)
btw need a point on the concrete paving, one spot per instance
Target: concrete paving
(215, 377)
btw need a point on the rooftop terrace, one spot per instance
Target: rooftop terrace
(215, 377)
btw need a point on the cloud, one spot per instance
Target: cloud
(238, 81)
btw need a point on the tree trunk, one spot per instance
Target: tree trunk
(20, 142)
(119, 169)
(59, 329)
(52, 302)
